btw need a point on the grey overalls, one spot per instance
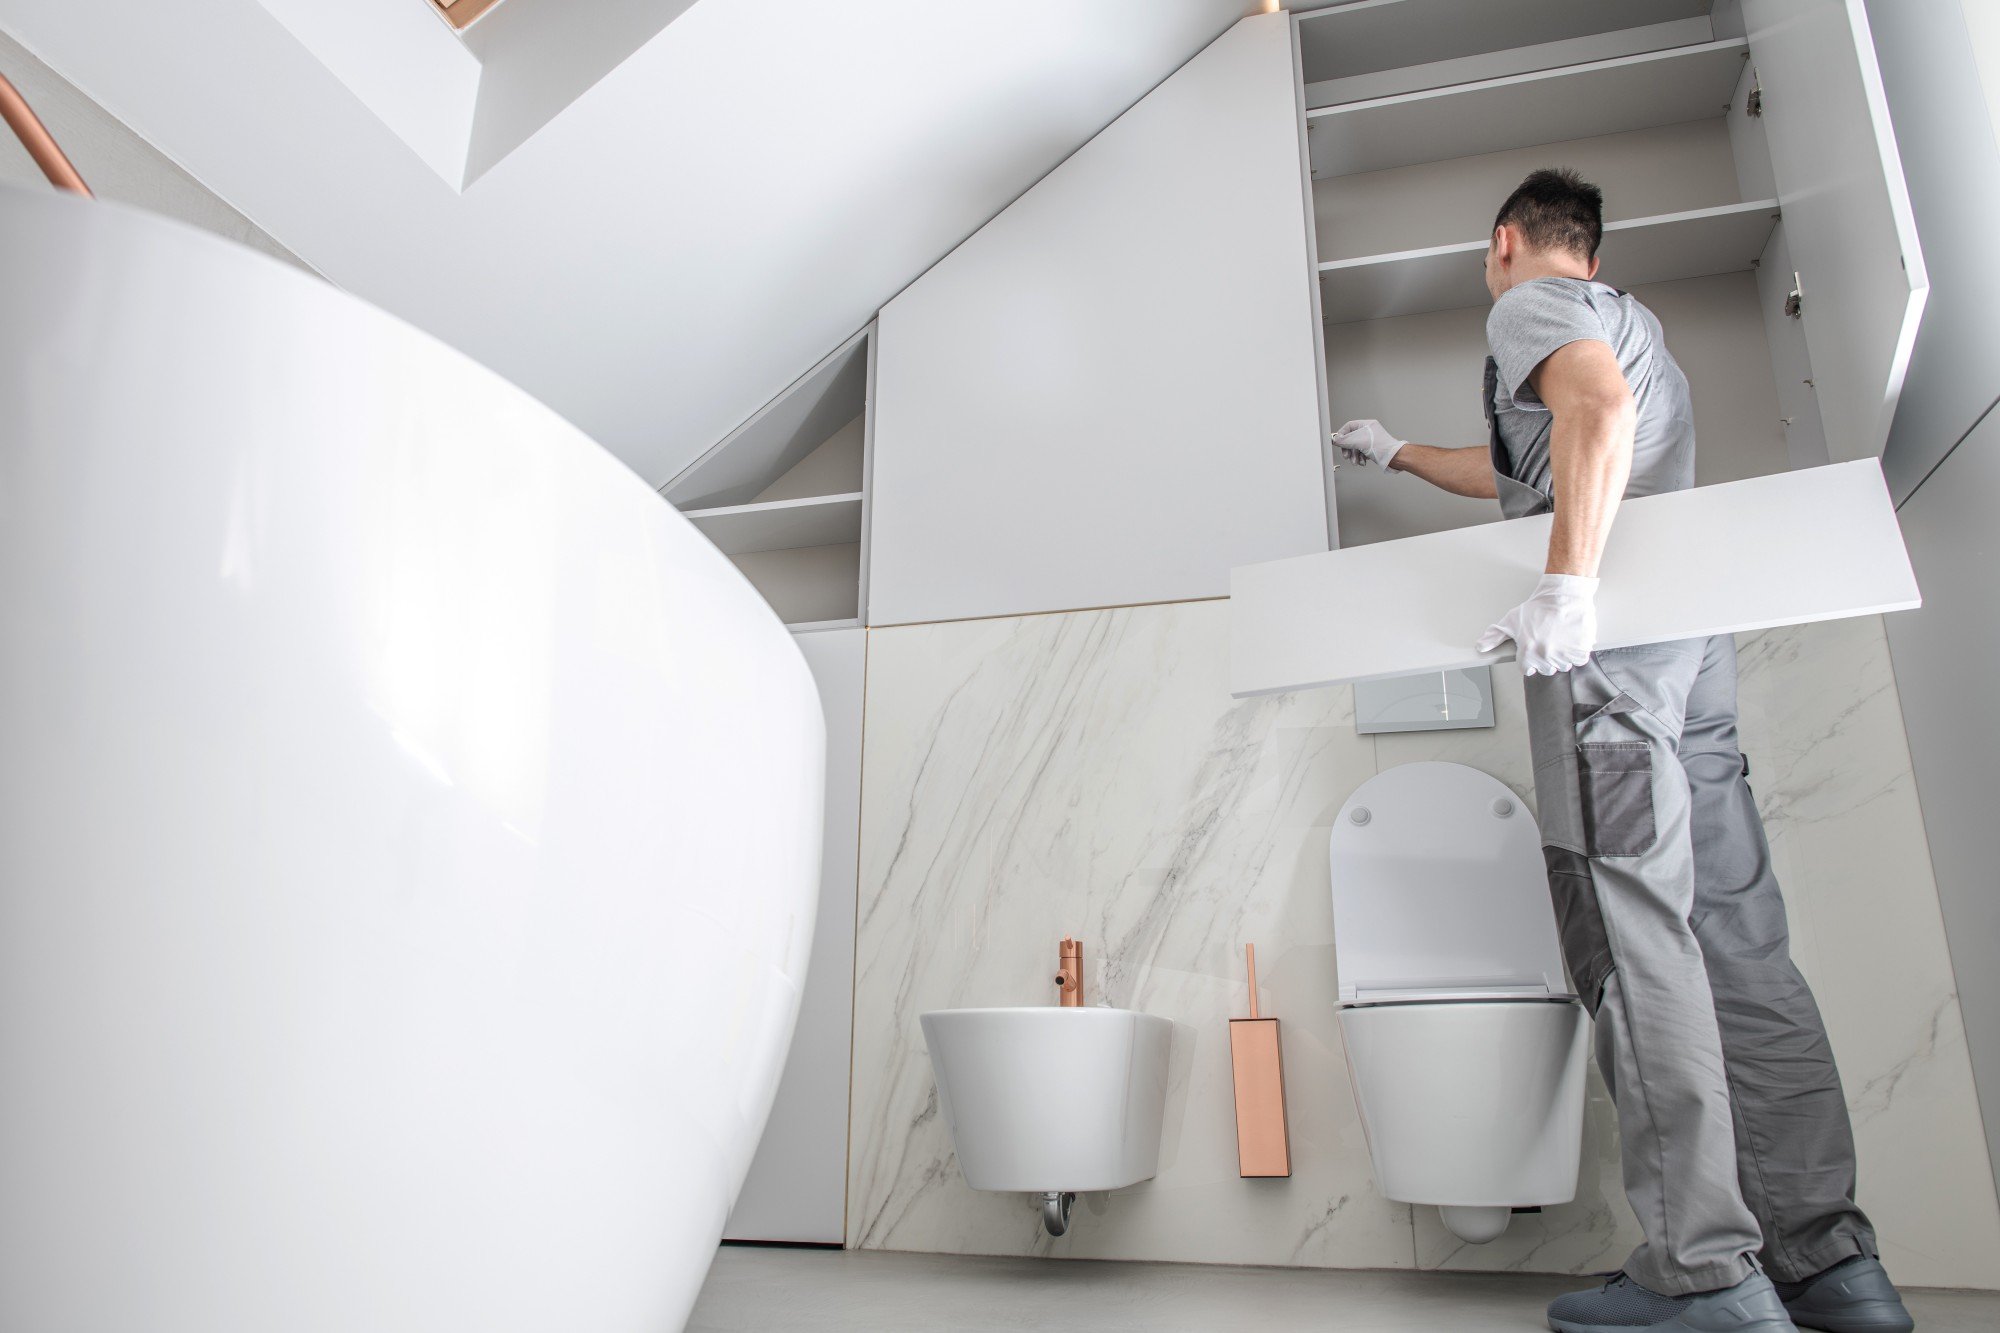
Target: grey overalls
(1733, 1127)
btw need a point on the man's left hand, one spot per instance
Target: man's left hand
(1554, 630)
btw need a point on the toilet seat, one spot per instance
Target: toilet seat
(1459, 995)
(1464, 1045)
(1440, 892)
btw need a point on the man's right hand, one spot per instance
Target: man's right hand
(1367, 441)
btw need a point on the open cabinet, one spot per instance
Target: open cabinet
(785, 495)
(1753, 199)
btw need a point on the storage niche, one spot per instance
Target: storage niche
(1421, 115)
(785, 495)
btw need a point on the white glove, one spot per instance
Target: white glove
(1367, 441)
(1554, 630)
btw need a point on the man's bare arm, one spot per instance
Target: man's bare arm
(1590, 449)
(1466, 472)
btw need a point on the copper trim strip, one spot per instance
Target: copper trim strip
(35, 137)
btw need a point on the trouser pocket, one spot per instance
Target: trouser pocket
(1615, 781)
(1586, 947)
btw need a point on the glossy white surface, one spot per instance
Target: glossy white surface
(796, 1189)
(1051, 1099)
(410, 824)
(1439, 885)
(1475, 1104)
(1817, 544)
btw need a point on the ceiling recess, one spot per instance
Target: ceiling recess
(461, 13)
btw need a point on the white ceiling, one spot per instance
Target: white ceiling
(696, 230)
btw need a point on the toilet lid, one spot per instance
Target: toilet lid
(1440, 891)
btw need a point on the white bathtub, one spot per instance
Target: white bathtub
(410, 825)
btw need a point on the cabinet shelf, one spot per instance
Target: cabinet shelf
(1373, 35)
(781, 525)
(1521, 110)
(1693, 244)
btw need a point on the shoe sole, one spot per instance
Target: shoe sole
(1732, 1318)
(1677, 1325)
(1871, 1317)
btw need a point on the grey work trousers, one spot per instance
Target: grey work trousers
(1733, 1127)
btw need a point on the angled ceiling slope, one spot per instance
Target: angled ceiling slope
(463, 100)
(685, 236)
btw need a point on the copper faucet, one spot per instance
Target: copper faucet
(1069, 973)
(35, 137)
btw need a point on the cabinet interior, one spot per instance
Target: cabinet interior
(1410, 160)
(785, 495)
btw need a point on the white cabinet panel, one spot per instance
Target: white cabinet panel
(1108, 395)
(797, 1186)
(1847, 212)
(1816, 544)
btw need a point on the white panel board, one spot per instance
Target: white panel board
(797, 1186)
(782, 525)
(1108, 394)
(1817, 544)
(1847, 212)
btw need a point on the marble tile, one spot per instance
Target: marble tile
(1087, 773)
(1823, 729)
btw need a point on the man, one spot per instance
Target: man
(1737, 1154)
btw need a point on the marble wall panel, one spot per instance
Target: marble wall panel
(1087, 773)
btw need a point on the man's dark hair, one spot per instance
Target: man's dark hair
(1556, 209)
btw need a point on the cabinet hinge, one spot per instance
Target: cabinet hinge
(1753, 105)
(1795, 302)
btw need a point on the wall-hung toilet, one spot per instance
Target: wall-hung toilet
(1464, 1044)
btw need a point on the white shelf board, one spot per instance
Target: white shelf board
(1725, 239)
(1372, 35)
(1820, 543)
(1521, 110)
(1514, 60)
(781, 525)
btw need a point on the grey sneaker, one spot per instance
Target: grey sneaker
(1853, 1296)
(1622, 1305)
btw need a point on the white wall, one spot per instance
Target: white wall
(707, 221)
(117, 164)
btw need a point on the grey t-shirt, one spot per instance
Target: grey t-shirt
(1532, 320)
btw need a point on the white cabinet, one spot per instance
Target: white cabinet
(1109, 394)
(797, 1186)
(1847, 211)
(1753, 199)
(1744, 151)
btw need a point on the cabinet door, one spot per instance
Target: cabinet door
(797, 1186)
(1847, 212)
(1109, 393)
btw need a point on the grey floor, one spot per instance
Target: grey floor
(754, 1290)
